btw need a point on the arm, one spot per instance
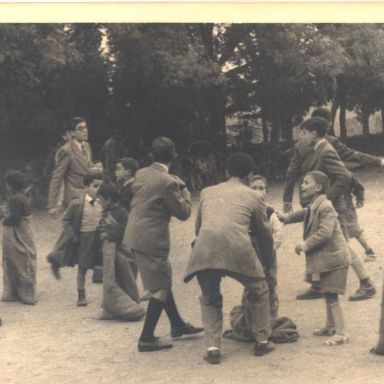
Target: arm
(348, 155)
(291, 176)
(358, 191)
(340, 177)
(276, 226)
(62, 164)
(328, 220)
(294, 217)
(68, 221)
(177, 200)
(262, 231)
(15, 212)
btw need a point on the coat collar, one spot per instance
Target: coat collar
(160, 167)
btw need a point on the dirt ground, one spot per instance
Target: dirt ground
(57, 342)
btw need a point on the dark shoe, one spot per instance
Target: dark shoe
(186, 329)
(213, 357)
(55, 267)
(310, 294)
(370, 255)
(154, 345)
(363, 293)
(97, 276)
(378, 350)
(262, 349)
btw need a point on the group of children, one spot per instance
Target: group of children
(85, 227)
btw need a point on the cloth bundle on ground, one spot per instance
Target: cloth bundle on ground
(120, 294)
(19, 263)
(283, 329)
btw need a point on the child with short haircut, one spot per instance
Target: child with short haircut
(19, 252)
(326, 251)
(125, 172)
(81, 220)
(120, 293)
(259, 184)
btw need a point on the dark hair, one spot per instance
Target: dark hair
(129, 163)
(15, 179)
(316, 124)
(163, 150)
(74, 122)
(259, 177)
(240, 164)
(321, 179)
(109, 191)
(90, 177)
(322, 112)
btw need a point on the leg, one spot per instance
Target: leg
(370, 254)
(366, 289)
(329, 328)
(148, 342)
(211, 302)
(258, 313)
(9, 288)
(336, 312)
(81, 273)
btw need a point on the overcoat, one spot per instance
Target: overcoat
(224, 217)
(325, 246)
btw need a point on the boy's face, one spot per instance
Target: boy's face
(259, 186)
(93, 188)
(308, 137)
(121, 173)
(80, 133)
(309, 187)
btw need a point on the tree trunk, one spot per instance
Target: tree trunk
(276, 128)
(382, 118)
(335, 106)
(365, 121)
(265, 130)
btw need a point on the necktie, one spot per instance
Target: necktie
(93, 202)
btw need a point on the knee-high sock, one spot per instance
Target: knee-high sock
(330, 323)
(172, 312)
(154, 310)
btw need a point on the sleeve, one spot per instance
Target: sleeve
(262, 231)
(291, 176)
(358, 189)
(61, 166)
(16, 209)
(295, 217)
(339, 175)
(276, 226)
(68, 221)
(349, 155)
(178, 201)
(328, 220)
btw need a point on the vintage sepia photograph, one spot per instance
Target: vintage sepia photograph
(191, 202)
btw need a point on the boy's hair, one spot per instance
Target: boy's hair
(240, 164)
(129, 163)
(321, 179)
(316, 124)
(109, 191)
(259, 177)
(15, 179)
(322, 112)
(163, 150)
(91, 176)
(72, 124)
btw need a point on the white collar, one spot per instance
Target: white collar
(78, 144)
(89, 198)
(162, 165)
(126, 182)
(318, 143)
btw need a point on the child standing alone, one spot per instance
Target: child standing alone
(326, 251)
(19, 252)
(81, 222)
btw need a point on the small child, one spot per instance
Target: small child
(125, 172)
(120, 293)
(19, 252)
(326, 251)
(259, 183)
(354, 229)
(81, 219)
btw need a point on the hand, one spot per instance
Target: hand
(359, 203)
(287, 207)
(281, 216)
(298, 249)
